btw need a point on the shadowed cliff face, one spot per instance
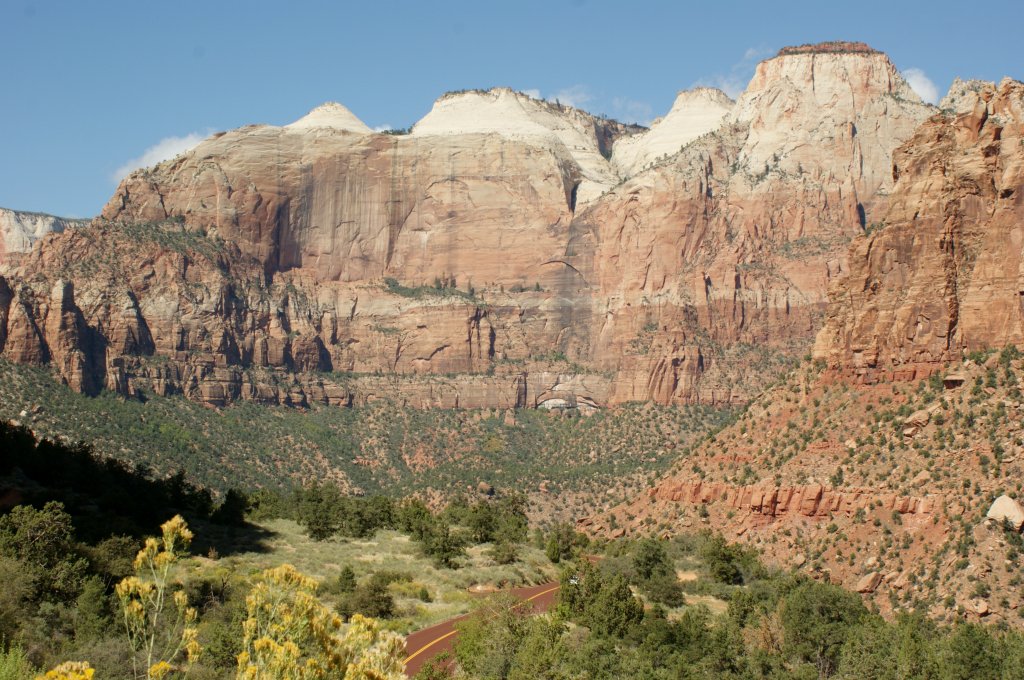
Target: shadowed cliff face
(941, 273)
(493, 257)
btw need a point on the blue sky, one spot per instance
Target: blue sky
(90, 88)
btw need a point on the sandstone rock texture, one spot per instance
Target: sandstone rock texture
(813, 500)
(942, 271)
(1005, 509)
(20, 230)
(500, 254)
(726, 250)
(694, 113)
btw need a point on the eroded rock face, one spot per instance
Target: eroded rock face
(726, 251)
(695, 113)
(495, 245)
(942, 272)
(814, 500)
(558, 129)
(20, 230)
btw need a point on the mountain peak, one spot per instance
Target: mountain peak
(694, 113)
(330, 115)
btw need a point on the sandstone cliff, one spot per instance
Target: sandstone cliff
(498, 255)
(694, 113)
(850, 470)
(20, 230)
(725, 251)
(941, 271)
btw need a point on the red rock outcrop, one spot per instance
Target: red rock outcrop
(812, 500)
(943, 271)
(716, 262)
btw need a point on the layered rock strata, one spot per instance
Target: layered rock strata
(499, 241)
(20, 230)
(942, 271)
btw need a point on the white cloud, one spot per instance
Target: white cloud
(576, 96)
(535, 93)
(383, 128)
(921, 84)
(166, 148)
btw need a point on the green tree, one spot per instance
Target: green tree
(92, 610)
(970, 652)
(650, 559)
(414, 518)
(372, 599)
(726, 563)
(870, 652)
(443, 546)
(580, 584)
(346, 580)
(43, 540)
(490, 640)
(563, 542)
(316, 509)
(503, 553)
(816, 619)
(878, 649)
(232, 510)
(541, 652)
(15, 596)
(664, 588)
(614, 611)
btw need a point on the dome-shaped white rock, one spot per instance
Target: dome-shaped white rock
(331, 115)
(694, 113)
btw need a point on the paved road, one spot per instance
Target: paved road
(424, 645)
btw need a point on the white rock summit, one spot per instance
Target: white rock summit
(694, 113)
(563, 130)
(20, 230)
(333, 116)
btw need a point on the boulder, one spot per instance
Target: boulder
(1005, 509)
(918, 418)
(954, 380)
(869, 582)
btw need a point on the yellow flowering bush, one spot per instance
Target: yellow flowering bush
(70, 670)
(157, 639)
(290, 635)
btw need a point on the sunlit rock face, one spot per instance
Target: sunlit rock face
(506, 251)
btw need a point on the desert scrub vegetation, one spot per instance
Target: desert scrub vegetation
(82, 582)
(444, 286)
(383, 448)
(772, 624)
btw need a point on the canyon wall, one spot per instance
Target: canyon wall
(508, 251)
(940, 274)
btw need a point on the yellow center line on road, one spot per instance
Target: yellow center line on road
(534, 597)
(428, 646)
(453, 632)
